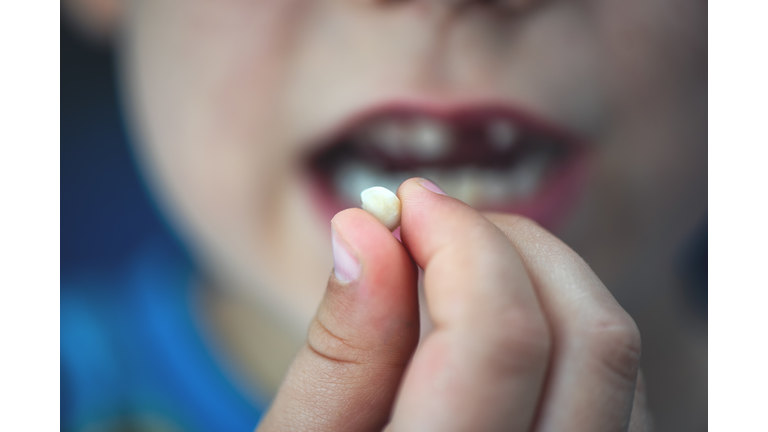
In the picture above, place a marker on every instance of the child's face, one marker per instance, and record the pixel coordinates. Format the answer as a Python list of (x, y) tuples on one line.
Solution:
[(235, 102)]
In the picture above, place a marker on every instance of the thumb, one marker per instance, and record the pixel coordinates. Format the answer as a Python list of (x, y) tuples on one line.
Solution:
[(346, 376)]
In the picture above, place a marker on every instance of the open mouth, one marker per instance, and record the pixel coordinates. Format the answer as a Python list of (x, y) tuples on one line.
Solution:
[(492, 158)]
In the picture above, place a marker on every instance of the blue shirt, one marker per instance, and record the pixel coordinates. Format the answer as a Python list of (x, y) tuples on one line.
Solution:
[(134, 357)]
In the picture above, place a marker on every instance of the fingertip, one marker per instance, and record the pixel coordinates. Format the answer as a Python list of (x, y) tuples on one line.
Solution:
[(430, 218), (370, 241), (387, 278), (418, 185), (431, 186), (348, 216), (363, 334), (418, 194)]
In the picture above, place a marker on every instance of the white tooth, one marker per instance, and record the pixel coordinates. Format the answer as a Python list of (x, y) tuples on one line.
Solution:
[(468, 187), (526, 178), (351, 179), (383, 204), (429, 140), (390, 181), (527, 184), (342, 181), (388, 136), (495, 186), (447, 180), (502, 134)]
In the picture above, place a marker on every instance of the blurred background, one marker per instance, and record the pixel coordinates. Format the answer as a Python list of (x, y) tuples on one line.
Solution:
[(105, 211)]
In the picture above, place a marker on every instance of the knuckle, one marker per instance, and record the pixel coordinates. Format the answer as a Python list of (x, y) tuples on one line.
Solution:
[(524, 222), (513, 219), (523, 341), (615, 342), (511, 224), (330, 346)]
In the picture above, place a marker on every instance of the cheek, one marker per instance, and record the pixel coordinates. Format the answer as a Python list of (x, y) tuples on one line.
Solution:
[(655, 50), (205, 78), (649, 185), (205, 87), (657, 54)]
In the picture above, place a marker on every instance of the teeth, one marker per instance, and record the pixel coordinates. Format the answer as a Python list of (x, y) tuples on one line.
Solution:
[(383, 204), (353, 178), (429, 140), (391, 182), (502, 134), (524, 179), (388, 136), (461, 184), (423, 139), (496, 188), (474, 186)]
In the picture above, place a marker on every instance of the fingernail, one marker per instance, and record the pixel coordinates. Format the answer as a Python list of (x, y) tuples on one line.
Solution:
[(428, 184), (345, 265), (396, 233)]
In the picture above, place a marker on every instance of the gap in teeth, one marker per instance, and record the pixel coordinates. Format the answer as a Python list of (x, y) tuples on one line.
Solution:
[(430, 141), (502, 134)]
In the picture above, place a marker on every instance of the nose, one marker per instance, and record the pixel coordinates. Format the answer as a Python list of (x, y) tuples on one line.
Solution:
[(507, 5)]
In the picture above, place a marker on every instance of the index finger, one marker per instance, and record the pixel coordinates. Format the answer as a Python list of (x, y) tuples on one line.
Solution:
[(483, 365)]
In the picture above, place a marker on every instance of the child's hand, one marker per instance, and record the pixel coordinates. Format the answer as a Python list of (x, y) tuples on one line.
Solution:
[(526, 336)]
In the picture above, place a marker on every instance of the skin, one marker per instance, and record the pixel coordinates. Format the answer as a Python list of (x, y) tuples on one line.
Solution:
[(223, 100), (526, 336)]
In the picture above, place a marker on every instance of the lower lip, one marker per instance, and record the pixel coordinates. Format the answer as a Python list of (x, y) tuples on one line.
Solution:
[(550, 206)]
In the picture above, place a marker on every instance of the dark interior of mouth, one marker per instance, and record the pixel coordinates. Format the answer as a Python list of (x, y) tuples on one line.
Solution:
[(471, 153), (471, 150)]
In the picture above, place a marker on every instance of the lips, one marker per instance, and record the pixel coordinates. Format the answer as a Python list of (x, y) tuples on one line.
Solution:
[(493, 158)]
